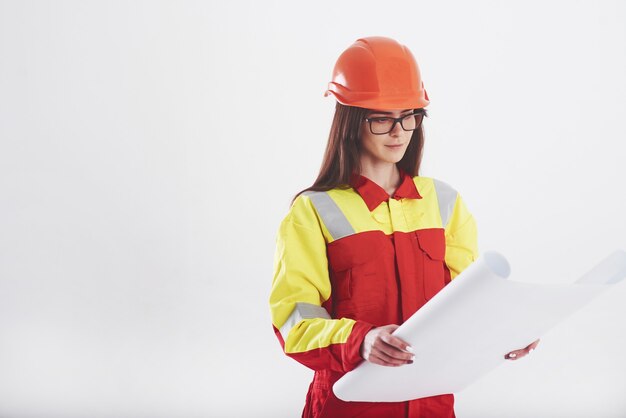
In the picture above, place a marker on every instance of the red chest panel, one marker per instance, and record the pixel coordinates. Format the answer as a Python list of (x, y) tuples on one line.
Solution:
[(383, 279)]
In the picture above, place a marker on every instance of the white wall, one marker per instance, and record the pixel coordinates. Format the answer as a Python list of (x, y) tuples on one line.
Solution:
[(149, 150)]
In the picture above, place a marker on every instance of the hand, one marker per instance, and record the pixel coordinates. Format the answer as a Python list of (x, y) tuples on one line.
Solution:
[(380, 347), (518, 354)]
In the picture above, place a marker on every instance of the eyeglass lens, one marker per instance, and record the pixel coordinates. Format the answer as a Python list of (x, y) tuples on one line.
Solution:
[(385, 125)]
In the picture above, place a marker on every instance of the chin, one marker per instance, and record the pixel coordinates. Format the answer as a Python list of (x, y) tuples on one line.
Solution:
[(391, 160), (394, 159)]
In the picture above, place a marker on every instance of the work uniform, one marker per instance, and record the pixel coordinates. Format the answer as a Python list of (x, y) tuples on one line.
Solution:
[(354, 258)]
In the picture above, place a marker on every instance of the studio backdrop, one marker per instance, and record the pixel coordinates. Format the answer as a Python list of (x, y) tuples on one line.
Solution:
[(150, 149)]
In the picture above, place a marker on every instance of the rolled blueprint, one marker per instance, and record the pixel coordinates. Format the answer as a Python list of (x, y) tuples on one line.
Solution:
[(466, 329)]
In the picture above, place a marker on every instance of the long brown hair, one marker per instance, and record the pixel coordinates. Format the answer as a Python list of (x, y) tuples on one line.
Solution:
[(341, 157)]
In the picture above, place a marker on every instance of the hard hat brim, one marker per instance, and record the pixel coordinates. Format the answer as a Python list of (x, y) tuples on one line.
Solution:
[(373, 100)]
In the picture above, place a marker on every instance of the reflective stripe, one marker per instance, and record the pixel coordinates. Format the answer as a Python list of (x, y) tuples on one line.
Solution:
[(302, 311), (446, 196), (331, 215)]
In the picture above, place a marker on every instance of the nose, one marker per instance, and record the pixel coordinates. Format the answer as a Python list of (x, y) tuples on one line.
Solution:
[(397, 129)]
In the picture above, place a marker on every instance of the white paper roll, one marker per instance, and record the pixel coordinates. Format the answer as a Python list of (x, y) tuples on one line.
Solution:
[(467, 328)]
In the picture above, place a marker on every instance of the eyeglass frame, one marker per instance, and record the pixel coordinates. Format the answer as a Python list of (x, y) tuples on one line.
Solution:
[(396, 120)]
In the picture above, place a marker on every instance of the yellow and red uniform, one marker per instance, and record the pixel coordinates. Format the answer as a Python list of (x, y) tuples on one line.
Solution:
[(351, 259)]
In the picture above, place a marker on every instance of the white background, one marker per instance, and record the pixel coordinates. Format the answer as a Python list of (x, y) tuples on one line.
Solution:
[(150, 149)]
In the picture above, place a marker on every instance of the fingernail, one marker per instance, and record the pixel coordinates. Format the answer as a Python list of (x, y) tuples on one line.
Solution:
[(409, 349), (512, 355), (530, 351)]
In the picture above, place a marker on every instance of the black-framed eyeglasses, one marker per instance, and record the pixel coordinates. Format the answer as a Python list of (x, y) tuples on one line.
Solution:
[(384, 124)]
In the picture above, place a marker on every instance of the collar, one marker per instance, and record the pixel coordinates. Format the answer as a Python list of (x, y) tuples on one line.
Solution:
[(374, 195)]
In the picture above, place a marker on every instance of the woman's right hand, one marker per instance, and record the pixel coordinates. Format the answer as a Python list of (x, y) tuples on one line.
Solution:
[(380, 347)]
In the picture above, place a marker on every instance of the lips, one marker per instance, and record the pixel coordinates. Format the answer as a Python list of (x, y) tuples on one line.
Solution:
[(395, 146)]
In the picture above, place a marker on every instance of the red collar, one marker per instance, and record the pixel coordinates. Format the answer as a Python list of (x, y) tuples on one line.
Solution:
[(374, 195)]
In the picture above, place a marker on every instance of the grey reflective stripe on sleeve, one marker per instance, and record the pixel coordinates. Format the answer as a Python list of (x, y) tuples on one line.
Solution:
[(331, 215), (446, 196), (302, 311)]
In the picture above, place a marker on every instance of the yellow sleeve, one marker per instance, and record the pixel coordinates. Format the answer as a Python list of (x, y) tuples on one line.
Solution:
[(461, 239), (300, 286)]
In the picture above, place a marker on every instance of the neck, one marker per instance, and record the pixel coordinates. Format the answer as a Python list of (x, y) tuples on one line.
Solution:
[(386, 175)]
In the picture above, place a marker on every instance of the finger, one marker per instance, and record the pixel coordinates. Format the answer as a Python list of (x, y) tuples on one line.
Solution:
[(518, 354), (392, 351), (395, 346), (377, 360), (383, 359), (396, 342), (515, 355), (525, 351)]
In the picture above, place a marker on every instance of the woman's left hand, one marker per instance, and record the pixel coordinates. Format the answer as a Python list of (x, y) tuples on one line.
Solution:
[(518, 354)]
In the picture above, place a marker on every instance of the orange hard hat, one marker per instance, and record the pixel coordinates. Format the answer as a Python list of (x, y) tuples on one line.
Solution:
[(378, 73)]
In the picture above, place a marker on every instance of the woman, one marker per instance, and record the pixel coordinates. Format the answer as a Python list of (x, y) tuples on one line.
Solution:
[(370, 242)]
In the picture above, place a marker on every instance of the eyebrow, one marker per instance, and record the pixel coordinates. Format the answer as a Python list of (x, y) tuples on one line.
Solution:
[(377, 112)]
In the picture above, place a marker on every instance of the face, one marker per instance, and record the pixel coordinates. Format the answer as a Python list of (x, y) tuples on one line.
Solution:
[(385, 148)]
